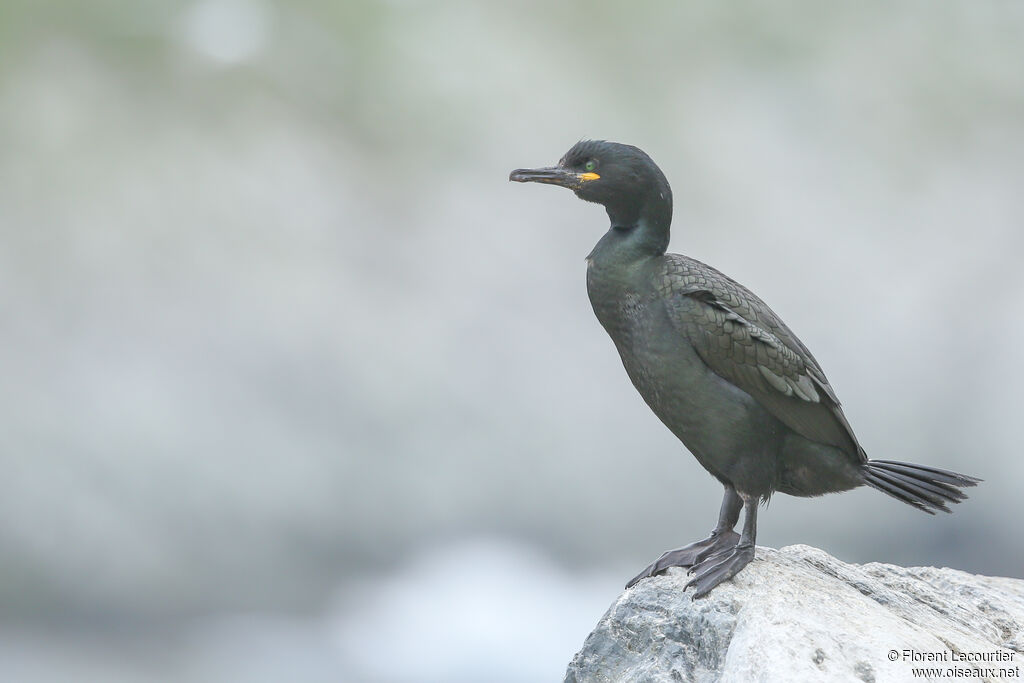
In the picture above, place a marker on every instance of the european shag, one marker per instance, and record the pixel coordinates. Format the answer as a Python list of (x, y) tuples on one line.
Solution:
[(719, 368)]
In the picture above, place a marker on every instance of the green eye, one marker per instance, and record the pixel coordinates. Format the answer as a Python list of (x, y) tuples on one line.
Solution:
[(590, 166)]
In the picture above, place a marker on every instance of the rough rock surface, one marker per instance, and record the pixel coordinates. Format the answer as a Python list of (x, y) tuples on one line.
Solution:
[(799, 614)]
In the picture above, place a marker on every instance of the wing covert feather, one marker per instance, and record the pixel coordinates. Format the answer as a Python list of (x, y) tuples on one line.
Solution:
[(743, 341)]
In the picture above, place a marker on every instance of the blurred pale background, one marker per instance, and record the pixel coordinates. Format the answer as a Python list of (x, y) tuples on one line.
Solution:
[(296, 386)]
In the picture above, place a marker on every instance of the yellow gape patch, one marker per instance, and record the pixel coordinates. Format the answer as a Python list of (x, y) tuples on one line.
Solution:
[(589, 176)]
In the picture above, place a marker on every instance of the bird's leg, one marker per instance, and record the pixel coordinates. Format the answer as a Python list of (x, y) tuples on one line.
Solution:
[(722, 538), (714, 568)]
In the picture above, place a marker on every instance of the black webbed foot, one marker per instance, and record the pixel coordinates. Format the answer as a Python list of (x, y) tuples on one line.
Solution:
[(689, 555), (719, 567)]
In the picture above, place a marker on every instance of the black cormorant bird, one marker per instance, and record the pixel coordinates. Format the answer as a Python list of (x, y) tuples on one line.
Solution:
[(718, 367)]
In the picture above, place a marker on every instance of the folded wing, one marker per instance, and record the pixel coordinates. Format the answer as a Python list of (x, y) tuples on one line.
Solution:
[(743, 341)]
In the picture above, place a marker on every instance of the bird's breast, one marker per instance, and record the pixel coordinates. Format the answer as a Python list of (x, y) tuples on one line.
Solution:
[(662, 365), (634, 317), (617, 301)]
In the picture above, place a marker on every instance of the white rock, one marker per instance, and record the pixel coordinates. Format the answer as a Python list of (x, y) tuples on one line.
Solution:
[(798, 614)]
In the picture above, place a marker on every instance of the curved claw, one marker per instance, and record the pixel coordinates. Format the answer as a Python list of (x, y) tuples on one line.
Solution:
[(718, 568), (689, 555)]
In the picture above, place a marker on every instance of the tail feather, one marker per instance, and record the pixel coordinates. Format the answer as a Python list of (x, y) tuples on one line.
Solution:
[(935, 473), (926, 488), (940, 488), (912, 493)]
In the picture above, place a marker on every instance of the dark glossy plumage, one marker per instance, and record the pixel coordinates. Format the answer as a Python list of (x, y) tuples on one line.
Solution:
[(718, 367), (744, 341)]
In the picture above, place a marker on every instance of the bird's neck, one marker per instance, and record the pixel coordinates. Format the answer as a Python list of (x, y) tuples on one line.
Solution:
[(634, 236)]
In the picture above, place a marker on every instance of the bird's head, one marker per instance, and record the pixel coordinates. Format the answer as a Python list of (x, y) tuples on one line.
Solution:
[(621, 177)]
